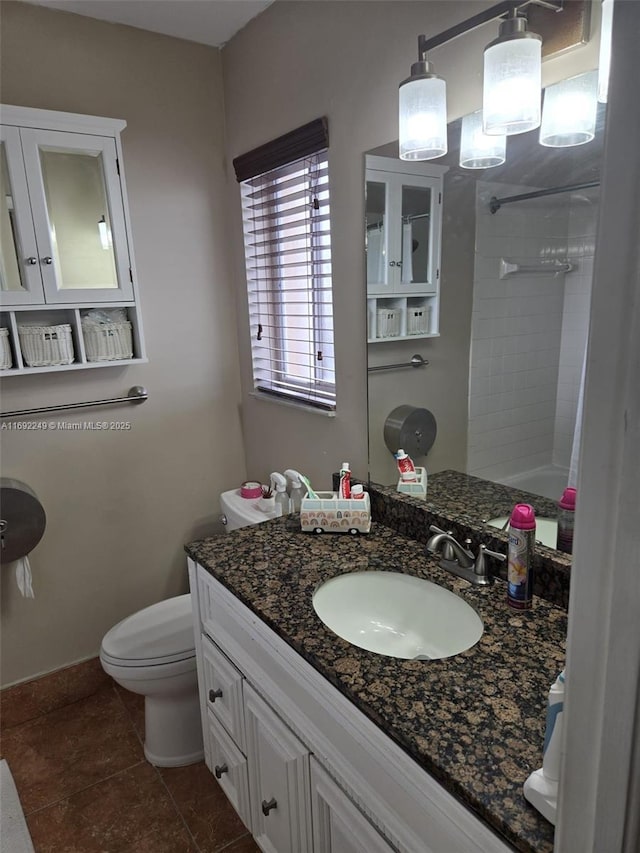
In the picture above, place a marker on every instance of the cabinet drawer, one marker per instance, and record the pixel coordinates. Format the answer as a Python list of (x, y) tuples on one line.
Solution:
[(229, 766), (278, 781), (223, 691)]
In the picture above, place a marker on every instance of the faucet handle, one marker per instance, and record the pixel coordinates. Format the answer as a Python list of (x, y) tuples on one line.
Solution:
[(480, 567), (434, 529)]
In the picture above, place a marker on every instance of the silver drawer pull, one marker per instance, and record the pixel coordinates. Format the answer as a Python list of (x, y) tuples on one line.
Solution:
[(215, 694), (267, 806), (31, 261), (48, 260), (219, 770)]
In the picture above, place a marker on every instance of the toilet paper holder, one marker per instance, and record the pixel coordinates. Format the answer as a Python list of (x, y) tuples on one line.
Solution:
[(23, 520), (411, 428)]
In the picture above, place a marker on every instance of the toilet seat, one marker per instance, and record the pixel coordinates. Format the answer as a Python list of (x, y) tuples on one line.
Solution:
[(157, 635)]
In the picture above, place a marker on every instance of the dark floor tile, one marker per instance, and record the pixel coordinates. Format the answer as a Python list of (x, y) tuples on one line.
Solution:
[(243, 845), (130, 812), (69, 749), (211, 818), (33, 698)]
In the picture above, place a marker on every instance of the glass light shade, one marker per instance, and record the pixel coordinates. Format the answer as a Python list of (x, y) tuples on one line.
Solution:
[(512, 86), (477, 150), (423, 118), (604, 63), (570, 111)]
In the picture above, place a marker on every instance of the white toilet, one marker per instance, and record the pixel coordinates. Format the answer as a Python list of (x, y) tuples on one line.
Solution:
[(152, 652)]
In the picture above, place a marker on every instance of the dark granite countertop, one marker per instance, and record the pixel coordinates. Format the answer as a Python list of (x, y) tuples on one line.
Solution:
[(474, 721)]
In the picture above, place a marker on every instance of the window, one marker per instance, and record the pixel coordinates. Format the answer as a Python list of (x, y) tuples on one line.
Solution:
[(286, 220)]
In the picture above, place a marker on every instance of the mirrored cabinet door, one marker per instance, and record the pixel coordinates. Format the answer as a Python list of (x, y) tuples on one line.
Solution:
[(403, 213), (77, 209), (377, 192), (418, 210), (20, 279)]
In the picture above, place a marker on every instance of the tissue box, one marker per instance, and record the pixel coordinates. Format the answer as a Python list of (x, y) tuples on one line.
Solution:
[(417, 489), (329, 513)]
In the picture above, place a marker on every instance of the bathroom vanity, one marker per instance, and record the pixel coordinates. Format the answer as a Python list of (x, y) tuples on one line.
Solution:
[(323, 746)]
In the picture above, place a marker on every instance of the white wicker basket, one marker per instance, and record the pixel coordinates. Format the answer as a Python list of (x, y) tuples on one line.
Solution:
[(107, 341), (388, 322), (5, 350), (44, 346), (418, 320)]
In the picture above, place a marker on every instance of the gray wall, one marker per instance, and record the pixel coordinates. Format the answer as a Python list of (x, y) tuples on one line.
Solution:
[(121, 505)]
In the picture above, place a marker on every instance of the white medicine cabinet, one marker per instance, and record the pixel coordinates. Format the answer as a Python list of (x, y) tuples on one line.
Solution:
[(403, 227), (66, 248)]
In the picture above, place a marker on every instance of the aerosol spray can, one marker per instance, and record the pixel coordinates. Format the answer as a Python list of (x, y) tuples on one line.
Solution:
[(522, 537), (566, 517)]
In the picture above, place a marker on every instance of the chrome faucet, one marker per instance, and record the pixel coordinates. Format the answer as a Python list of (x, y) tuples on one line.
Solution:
[(460, 560)]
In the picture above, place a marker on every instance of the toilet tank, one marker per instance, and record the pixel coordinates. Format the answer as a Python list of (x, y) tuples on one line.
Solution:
[(241, 512)]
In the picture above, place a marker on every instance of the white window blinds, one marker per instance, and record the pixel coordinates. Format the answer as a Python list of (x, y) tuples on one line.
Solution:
[(288, 260)]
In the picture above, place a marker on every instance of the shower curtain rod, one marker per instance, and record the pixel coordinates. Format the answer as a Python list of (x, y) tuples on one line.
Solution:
[(496, 203)]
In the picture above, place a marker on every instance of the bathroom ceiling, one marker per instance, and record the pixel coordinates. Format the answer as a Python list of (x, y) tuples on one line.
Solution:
[(211, 22)]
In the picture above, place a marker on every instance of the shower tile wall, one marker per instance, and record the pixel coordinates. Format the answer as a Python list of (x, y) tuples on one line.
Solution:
[(516, 335), (583, 217)]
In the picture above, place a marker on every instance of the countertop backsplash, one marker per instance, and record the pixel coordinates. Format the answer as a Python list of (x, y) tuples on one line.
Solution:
[(460, 502)]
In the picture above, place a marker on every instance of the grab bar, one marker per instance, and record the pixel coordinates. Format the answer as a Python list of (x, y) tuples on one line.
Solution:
[(416, 361), (137, 394)]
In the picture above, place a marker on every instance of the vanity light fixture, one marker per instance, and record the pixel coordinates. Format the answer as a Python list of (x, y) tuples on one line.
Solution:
[(423, 113), (606, 26), (477, 150), (570, 111), (512, 79), (512, 84)]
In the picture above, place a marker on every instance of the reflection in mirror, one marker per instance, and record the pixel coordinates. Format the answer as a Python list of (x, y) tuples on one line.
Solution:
[(78, 219), (10, 278), (527, 270)]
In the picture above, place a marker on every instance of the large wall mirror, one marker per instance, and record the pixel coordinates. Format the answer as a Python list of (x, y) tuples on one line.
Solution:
[(513, 303)]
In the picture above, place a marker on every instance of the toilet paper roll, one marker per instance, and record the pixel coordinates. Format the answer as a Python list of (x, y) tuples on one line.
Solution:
[(23, 520), (23, 577)]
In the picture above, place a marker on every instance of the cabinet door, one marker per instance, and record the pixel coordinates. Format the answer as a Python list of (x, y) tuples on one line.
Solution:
[(78, 215), (418, 208), (20, 279), (278, 781), (380, 238), (338, 825), (229, 766)]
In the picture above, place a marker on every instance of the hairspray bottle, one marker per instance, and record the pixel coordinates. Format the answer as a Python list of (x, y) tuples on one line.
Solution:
[(522, 537)]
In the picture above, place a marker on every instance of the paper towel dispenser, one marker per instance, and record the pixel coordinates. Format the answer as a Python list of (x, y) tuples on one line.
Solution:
[(412, 429), (22, 520)]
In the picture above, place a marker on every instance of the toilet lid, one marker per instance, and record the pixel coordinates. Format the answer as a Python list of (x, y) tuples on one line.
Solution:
[(157, 634)]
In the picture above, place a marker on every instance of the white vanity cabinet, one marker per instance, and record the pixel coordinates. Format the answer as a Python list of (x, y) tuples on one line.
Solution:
[(403, 222), (65, 235), (320, 776)]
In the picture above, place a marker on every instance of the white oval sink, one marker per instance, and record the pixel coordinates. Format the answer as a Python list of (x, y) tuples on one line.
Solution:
[(397, 615), (546, 529)]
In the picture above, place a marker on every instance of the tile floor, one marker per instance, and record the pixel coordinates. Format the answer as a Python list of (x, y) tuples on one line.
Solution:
[(73, 742)]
